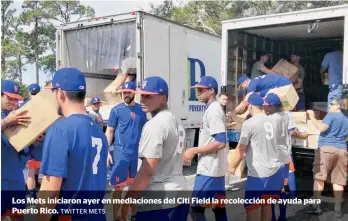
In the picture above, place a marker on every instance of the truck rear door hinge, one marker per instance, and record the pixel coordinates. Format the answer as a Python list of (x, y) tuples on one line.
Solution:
[(139, 26), (139, 55)]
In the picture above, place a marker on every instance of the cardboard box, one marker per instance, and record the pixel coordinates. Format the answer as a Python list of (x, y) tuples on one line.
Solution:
[(288, 96), (312, 129), (301, 126), (319, 106), (300, 116), (299, 143), (286, 69), (42, 109), (312, 141), (241, 169)]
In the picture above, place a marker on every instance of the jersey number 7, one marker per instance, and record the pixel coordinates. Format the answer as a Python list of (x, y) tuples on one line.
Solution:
[(96, 142)]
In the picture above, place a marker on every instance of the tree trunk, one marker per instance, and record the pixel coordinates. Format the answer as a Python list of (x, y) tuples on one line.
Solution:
[(20, 65), (37, 50)]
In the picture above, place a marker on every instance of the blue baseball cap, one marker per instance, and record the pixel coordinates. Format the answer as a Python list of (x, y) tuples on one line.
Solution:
[(95, 100), (272, 100), (128, 86), (255, 100), (69, 79), (153, 85), (10, 89), (34, 87), (207, 82), (241, 80)]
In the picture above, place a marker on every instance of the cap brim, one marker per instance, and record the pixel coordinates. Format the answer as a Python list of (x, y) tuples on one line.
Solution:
[(14, 96), (127, 90), (145, 92), (199, 86)]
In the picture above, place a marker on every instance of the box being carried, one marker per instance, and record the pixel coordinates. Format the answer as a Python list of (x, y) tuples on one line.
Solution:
[(286, 69), (288, 96), (240, 170), (43, 111)]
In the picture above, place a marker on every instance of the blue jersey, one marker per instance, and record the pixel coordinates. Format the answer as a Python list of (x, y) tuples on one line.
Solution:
[(264, 83), (128, 122), (75, 149), (13, 162)]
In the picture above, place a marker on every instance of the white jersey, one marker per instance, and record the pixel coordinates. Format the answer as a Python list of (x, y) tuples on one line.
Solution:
[(262, 156), (213, 122), (281, 121), (163, 137)]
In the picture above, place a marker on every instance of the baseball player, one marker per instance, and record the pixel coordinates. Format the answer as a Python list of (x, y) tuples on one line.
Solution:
[(272, 107), (161, 150), (33, 165), (94, 112), (125, 124), (75, 152), (12, 162), (265, 170), (212, 152), (261, 84)]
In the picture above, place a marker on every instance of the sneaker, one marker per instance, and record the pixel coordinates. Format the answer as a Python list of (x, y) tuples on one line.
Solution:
[(338, 213), (312, 209)]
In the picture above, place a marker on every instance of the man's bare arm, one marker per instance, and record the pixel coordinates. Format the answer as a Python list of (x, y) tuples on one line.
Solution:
[(50, 188), (109, 133)]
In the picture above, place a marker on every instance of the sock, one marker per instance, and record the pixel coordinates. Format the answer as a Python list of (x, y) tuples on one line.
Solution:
[(32, 193), (220, 214), (197, 213), (273, 213), (292, 184), (282, 208), (37, 180)]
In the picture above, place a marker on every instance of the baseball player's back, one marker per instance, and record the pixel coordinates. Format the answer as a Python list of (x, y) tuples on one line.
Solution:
[(76, 149), (258, 132), (264, 83), (281, 121), (163, 137)]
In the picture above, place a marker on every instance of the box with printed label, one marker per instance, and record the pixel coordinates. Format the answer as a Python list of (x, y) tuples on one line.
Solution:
[(241, 169), (286, 69), (312, 128), (288, 96), (300, 116), (41, 118), (312, 141)]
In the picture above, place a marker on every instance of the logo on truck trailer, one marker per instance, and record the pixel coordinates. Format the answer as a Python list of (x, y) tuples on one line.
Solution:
[(193, 63)]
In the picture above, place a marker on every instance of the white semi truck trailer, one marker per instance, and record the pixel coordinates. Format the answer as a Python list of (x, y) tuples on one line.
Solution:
[(177, 53)]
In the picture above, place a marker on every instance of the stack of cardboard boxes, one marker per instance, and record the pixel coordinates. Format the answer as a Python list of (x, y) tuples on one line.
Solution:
[(303, 124)]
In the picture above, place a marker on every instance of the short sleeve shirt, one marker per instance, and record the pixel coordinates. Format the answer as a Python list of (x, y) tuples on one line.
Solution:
[(258, 134), (337, 131), (213, 122), (163, 137), (256, 70)]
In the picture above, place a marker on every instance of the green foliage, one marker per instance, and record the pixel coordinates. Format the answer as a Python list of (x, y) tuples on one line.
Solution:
[(67, 11), (36, 46), (207, 15)]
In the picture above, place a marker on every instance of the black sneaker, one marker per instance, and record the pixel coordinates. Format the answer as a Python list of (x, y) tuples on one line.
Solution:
[(312, 209), (338, 213)]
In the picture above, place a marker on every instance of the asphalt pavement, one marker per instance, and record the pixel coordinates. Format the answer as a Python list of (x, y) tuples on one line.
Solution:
[(236, 212)]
